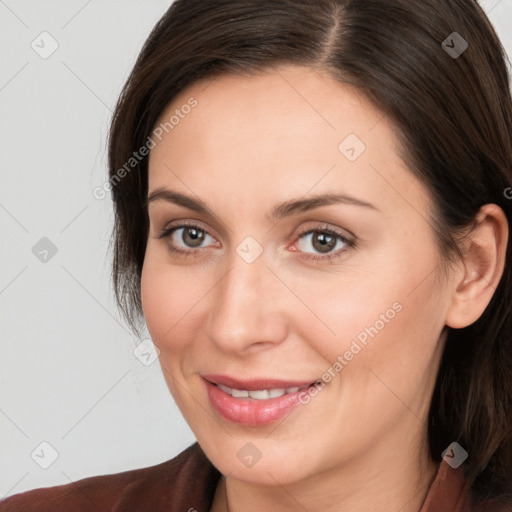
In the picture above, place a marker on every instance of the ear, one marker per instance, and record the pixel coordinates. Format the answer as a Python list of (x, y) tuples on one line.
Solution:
[(481, 268)]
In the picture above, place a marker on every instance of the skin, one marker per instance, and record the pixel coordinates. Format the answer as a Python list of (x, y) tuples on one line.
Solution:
[(253, 142)]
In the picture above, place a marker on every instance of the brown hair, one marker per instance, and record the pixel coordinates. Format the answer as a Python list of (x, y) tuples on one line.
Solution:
[(453, 115)]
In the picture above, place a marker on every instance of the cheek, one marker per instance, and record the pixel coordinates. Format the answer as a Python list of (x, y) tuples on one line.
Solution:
[(167, 299), (385, 317)]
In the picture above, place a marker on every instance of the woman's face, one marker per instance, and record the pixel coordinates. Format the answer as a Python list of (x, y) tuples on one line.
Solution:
[(275, 286)]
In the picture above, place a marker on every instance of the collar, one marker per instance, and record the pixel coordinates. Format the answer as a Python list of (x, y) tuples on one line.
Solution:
[(449, 491)]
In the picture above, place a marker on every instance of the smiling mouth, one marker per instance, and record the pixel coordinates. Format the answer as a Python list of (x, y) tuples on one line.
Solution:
[(258, 406), (262, 394)]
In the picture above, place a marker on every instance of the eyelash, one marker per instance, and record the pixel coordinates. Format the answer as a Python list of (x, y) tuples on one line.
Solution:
[(349, 243)]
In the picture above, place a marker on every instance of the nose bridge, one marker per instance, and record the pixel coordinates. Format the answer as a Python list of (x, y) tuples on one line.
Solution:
[(246, 303)]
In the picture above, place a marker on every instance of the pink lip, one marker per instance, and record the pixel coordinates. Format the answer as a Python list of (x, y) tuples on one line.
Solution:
[(249, 412)]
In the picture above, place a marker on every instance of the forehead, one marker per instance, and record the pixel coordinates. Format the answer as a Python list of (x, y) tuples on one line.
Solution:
[(289, 129), (289, 104)]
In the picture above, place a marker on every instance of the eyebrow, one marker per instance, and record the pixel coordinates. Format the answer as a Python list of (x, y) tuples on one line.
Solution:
[(279, 211)]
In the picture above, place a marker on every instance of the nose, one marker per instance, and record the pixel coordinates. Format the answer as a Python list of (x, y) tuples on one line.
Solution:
[(249, 308)]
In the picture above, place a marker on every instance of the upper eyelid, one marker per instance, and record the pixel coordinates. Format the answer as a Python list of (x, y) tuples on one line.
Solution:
[(177, 224), (343, 233), (170, 228)]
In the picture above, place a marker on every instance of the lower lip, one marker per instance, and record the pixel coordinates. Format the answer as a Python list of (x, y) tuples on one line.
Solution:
[(250, 412)]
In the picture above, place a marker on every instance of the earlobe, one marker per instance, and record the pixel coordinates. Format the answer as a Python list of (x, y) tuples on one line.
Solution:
[(482, 267)]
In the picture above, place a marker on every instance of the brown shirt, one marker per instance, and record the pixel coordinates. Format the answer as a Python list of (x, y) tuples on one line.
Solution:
[(187, 483)]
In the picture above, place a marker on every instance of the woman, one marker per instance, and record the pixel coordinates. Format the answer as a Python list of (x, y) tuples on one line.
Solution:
[(312, 204)]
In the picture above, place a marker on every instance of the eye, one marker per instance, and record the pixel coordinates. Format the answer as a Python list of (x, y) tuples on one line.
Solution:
[(184, 237), (187, 239), (324, 240)]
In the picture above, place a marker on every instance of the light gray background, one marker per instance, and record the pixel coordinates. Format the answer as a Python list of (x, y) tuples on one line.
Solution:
[(69, 376)]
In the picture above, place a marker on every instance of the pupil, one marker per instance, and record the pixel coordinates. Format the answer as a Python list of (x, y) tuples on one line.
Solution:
[(327, 242), (192, 236)]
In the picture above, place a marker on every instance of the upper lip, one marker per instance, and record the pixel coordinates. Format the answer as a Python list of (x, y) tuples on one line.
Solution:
[(256, 384)]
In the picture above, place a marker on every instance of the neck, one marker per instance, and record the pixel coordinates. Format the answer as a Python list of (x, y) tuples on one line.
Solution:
[(383, 479)]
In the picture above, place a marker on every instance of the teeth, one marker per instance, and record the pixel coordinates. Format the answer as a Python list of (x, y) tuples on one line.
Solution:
[(263, 394), (237, 393), (258, 395), (225, 389)]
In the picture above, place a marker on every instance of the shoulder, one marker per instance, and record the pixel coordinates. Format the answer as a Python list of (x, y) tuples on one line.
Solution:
[(186, 482), (451, 490)]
